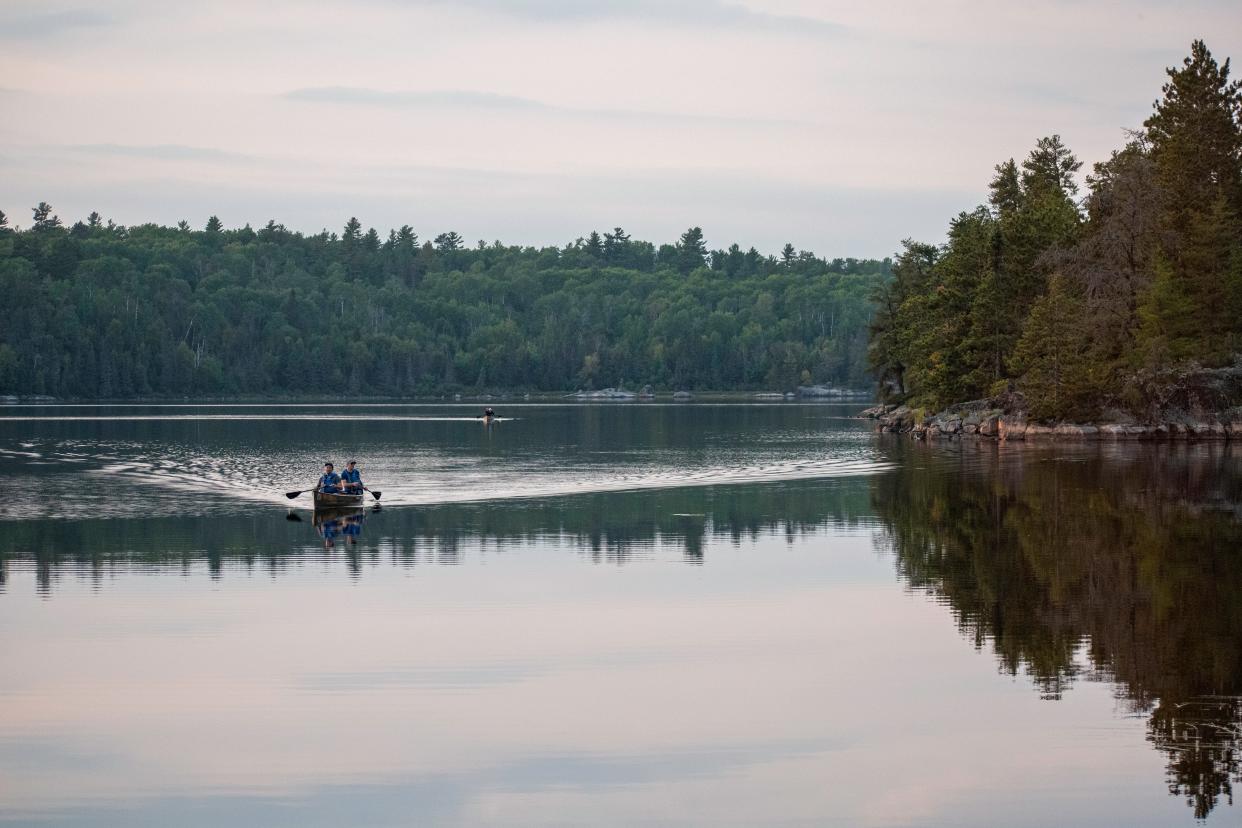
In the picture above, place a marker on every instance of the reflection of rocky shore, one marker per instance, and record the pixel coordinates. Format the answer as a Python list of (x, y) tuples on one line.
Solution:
[(1127, 558)]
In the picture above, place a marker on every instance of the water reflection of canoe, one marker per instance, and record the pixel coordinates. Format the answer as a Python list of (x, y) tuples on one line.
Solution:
[(336, 501), (338, 514)]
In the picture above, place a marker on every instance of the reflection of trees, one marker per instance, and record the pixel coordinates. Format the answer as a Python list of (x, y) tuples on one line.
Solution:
[(1127, 557), (607, 527), (1202, 738)]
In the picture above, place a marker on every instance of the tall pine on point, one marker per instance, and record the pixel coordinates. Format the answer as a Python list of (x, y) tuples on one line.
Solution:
[(1053, 355), (1195, 135)]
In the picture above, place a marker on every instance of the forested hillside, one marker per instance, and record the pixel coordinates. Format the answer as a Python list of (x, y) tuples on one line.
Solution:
[(102, 311), (1083, 303)]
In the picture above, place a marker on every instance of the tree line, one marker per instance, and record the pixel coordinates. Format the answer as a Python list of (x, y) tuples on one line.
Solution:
[(1082, 303), (101, 310)]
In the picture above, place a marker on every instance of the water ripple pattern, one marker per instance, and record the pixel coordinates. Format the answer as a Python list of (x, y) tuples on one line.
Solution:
[(102, 461)]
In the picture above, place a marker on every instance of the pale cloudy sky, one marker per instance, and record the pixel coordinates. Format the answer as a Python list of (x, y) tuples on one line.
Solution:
[(840, 126)]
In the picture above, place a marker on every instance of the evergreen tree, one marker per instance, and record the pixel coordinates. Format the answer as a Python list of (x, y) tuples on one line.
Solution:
[(43, 217), (1195, 139), (788, 256), (448, 242), (1052, 359), (351, 234), (1195, 134), (691, 251), (214, 226), (1169, 331), (594, 246), (1006, 195), (890, 353), (1050, 167), (1208, 262), (946, 368), (616, 246)]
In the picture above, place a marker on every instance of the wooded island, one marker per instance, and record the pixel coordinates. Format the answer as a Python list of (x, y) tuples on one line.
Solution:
[(1122, 307)]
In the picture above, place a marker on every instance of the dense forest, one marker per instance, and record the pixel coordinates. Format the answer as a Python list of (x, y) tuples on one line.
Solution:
[(105, 311), (1083, 303)]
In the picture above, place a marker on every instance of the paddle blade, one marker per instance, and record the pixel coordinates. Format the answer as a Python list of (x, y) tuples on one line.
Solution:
[(292, 495), (375, 494)]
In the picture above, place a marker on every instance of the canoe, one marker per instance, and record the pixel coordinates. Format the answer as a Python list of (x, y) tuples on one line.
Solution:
[(336, 501)]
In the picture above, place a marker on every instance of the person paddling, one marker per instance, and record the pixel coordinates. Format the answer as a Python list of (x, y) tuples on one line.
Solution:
[(488, 413), (330, 482), (351, 478)]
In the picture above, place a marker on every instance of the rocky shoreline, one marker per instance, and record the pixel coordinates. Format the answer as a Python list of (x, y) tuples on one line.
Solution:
[(983, 420)]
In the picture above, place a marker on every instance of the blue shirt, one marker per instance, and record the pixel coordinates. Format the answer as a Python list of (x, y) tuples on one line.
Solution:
[(331, 480), (354, 476)]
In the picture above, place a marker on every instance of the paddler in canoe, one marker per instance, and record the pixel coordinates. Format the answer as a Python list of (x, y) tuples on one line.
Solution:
[(329, 482), (346, 491), (351, 478), (488, 415)]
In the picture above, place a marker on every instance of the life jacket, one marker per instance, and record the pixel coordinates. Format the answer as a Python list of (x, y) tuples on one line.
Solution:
[(330, 480), (354, 476)]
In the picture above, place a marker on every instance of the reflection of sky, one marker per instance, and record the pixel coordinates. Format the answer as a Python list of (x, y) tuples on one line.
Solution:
[(780, 682)]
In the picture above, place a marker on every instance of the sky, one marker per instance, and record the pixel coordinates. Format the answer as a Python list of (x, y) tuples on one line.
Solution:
[(840, 127)]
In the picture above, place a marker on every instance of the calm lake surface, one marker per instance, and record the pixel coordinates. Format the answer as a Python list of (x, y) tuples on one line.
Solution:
[(610, 614)]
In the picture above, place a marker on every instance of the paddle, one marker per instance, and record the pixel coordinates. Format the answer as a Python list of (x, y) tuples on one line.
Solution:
[(292, 495)]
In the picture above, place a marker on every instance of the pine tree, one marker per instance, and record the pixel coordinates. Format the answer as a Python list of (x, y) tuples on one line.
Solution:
[(43, 217), (352, 233), (691, 251), (1195, 134), (594, 245), (616, 246), (1052, 359), (1168, 330), (448, 242), (950, 370), (1207, 264), (788, 256), (1006, 190), (1050, 166), (407, 239), (214, 226), (889, 352)]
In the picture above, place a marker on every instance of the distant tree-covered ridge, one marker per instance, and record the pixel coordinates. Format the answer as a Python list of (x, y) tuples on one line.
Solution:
[(98, 310), (1089, 304)]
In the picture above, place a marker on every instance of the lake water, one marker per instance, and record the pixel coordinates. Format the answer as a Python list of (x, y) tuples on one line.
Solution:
[(610, 614)]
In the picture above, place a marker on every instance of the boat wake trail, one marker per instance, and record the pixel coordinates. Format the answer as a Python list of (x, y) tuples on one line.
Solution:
[(88, 478)]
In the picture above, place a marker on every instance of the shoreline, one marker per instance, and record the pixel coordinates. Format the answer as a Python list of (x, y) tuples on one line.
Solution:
[(982, 422)]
